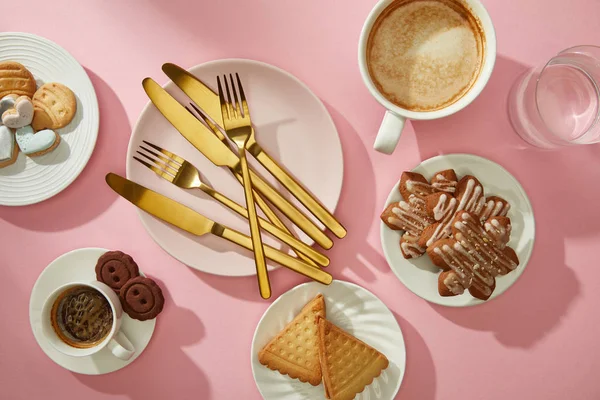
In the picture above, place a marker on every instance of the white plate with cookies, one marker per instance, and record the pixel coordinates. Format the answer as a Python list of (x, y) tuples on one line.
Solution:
[(340, 338), (49, 121), (458, 230)]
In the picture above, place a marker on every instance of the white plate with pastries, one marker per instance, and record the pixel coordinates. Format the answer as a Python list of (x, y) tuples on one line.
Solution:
[(350, 312), (31, 179), (461, 259)]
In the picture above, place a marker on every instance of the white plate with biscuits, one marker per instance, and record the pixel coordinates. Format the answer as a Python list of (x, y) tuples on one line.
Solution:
[(340, 334), (45, 163), (79, 265), (489, 223)]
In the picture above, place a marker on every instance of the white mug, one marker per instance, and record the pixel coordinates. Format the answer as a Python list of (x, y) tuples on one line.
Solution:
[(116, 340), (395, 116)]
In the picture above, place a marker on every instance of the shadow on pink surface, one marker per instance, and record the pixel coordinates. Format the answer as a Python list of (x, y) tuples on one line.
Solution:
[(419, 379), (548, 288), (351, 253), (163, 370), (81, 202)]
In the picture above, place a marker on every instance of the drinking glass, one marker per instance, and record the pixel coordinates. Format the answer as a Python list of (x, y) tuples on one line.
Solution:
[(557, 104)]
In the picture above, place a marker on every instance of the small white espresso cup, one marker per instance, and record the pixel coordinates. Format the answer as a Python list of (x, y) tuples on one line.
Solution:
[(116, 340), (395, 116)]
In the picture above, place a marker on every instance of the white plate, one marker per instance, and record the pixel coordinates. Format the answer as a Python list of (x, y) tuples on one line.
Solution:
[(352, 308), (33, 179), (73, 266), (420, 275), (291, 124)]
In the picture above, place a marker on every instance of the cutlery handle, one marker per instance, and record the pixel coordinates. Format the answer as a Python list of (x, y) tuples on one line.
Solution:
[(257, 245), (295, 188), (290, 211), (300, 247), (281, 258), (277, 222)]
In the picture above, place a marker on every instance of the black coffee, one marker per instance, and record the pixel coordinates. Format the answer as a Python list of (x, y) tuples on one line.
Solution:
[(81, 317)]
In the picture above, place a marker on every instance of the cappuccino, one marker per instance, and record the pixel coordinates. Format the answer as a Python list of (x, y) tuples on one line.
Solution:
[(424, 55), (81, 317)]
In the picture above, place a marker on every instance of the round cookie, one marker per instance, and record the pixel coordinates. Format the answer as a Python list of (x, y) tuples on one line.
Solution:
[(115, 268), (141, 298), (55, 106), (16, 79)]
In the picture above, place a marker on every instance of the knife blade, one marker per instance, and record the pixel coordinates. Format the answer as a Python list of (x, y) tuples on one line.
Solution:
[(197, 224)]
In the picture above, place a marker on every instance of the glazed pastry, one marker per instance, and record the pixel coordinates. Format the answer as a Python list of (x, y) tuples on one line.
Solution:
[(473, 256)]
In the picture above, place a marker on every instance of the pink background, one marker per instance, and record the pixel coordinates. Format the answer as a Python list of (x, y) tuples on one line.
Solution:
[(539, 340)]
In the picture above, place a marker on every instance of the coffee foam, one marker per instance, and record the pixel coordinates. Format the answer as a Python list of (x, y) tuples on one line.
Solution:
[(424, 55)]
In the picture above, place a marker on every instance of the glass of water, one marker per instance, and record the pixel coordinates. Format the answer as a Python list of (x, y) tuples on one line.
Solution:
[(558, 104)]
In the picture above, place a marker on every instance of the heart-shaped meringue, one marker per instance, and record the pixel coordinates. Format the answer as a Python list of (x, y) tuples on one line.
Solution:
[(36, 143), (7, 103), (19, 116)]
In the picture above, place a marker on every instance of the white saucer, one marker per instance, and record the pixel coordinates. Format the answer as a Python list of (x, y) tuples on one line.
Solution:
[(79, 265), (33, 179), (352, 308), (292, 125), (420, 275)]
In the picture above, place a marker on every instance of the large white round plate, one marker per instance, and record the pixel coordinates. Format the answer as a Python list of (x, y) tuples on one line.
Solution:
[(33, 179), (352, 308), (291, 124), (420, 275), (73, 266)]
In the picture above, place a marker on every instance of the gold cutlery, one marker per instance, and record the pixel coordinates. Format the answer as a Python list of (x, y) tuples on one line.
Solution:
[(238, 127), (207, 100), (221, 155), (271, 216), (183, 174), (197, 224)]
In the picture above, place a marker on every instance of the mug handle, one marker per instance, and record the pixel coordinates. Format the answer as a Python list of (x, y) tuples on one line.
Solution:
[(121, 346), (389, 132)]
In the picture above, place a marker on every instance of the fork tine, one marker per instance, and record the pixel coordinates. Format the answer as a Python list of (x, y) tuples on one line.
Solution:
[(164, 166), (224, 108), (166, 160), (237, 105), (165, 152), (233, 111), (242, 96), (157, 171)]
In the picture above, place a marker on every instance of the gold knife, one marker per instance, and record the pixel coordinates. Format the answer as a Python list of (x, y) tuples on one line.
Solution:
[(221, 155), (208, 100), (197, 224)]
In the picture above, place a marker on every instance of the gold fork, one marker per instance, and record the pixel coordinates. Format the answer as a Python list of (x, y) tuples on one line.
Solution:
[(238, 127), (183, 174)]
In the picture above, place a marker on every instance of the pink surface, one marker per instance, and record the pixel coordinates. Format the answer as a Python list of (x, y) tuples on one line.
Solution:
[(538, 340)]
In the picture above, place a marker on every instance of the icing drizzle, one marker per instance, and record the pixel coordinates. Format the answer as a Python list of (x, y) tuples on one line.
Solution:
[(473, 256), (410, 216), (410, 247), (444, 185)]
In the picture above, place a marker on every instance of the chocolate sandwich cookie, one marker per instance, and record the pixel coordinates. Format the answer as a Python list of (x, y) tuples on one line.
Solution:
[(141, 298), (115, 268)]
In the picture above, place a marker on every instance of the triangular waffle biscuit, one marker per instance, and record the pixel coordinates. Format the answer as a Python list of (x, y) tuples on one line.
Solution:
[(347, 364), (295, 350)]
